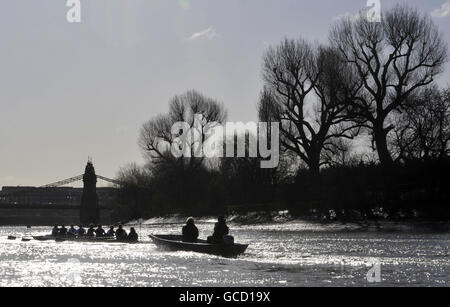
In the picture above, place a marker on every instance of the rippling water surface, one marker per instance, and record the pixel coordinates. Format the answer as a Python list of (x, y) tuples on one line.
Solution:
[(290, 254)]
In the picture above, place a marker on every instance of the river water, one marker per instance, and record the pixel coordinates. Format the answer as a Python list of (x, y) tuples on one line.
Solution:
[(289, 254)]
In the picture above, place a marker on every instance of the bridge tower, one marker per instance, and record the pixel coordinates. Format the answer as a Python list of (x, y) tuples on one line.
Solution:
[(89, 210)]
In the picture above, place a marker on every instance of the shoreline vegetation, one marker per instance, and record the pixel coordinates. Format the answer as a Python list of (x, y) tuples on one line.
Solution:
[(284, 218), (362, 193), (364, 133)]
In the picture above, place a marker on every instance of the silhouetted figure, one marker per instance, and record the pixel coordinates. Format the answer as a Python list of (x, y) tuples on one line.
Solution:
[(100, 232), (72, 231), (220, 230), (133, 236), (111, 233), (190, 231), (121, 235), (91, 231), (63, 231), (89, 210), (55, 231), (81, 231)]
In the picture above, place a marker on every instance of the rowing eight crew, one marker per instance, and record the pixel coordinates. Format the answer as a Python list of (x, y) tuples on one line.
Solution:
[(120, 234)]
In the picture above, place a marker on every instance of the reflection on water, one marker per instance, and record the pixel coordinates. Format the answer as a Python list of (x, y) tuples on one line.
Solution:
[(292, 254)]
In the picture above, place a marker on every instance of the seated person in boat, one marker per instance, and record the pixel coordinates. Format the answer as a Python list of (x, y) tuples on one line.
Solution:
[(63, 231), (81, 231), (100, 232), (190, 231), (121, 235), (91, 231), (72, 231), (55, 231), (133, 236), (111, 233), (220, 230)]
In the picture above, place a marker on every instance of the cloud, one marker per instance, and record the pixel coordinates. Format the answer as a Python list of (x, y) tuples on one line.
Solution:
[(443, 11), (209, 33)]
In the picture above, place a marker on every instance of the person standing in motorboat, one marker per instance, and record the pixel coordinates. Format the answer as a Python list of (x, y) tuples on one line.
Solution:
[(220, 231), (190, 231)]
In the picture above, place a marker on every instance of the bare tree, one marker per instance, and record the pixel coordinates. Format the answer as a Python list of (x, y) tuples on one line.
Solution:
[(156, 137), (307, 90), (392, 60), (423, 129), (340, 154)]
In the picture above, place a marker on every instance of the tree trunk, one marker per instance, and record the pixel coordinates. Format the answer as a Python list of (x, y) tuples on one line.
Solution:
[(384, 155), (314, 164)]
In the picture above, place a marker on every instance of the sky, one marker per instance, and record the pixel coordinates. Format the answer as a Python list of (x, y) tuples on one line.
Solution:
[(73, 90)]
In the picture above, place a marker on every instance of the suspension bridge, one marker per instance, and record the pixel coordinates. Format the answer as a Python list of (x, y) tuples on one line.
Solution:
[(22, 192), (56, 192), (53, 202), (78, 178)]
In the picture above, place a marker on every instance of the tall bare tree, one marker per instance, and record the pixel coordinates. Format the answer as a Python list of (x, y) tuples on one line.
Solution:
[(423, 129), (393, 60), (307, 90), (157, 138)]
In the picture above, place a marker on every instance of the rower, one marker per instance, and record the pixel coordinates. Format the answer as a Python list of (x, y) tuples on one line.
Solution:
[(72, 231), (190, 231), (63, 231), (81, 231), (121, 235), (55, 231), (99, 232), (133, 236), (111, 233), (91, 231)]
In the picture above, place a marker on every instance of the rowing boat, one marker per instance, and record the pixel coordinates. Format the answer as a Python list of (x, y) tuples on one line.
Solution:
[(44, 238), (175, 243), (79, 239)]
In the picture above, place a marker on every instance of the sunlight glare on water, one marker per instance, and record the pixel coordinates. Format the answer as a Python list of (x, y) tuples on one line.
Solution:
[(291, 254)]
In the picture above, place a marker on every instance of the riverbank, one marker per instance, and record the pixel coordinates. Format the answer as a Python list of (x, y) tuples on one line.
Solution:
[(285, 218)]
